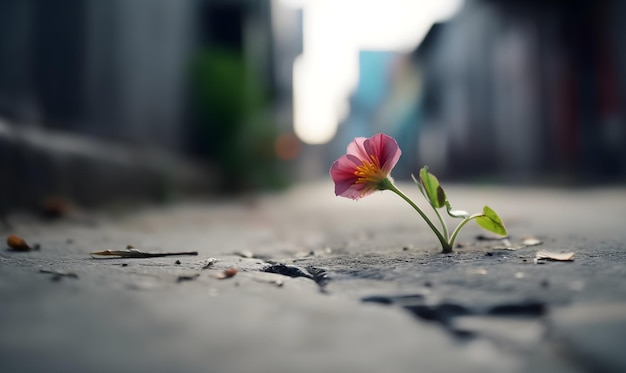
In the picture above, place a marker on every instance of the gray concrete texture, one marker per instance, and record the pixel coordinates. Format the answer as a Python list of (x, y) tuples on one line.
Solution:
[(324, 284)]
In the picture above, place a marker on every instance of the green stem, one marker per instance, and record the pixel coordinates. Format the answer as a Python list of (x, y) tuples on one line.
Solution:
[(443, 223), (458, 228), (447, 248)]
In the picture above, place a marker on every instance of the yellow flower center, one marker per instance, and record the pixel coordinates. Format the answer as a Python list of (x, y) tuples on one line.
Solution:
[(370, 173)]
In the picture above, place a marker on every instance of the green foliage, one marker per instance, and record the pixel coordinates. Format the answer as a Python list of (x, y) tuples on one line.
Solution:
[(430, 188), (434, 192), (490, 221), (232, 125)]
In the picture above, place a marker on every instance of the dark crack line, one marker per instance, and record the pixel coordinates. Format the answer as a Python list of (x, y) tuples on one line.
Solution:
[(317, 275)]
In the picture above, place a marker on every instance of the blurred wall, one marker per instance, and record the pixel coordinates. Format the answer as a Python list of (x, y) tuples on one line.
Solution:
[(131, 98), (113, 69), (92, 99), (526, 91)]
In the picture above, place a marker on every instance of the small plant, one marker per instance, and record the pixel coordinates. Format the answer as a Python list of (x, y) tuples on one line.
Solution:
[(366, 168)]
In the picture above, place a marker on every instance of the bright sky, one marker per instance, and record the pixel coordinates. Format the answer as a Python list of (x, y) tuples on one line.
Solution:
[(334, 32)]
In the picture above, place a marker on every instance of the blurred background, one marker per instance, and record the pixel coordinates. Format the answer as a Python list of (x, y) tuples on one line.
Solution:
[(150, 99)]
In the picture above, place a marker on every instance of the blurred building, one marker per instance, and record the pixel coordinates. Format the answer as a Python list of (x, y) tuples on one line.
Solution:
[(102, 99), (526, 90)]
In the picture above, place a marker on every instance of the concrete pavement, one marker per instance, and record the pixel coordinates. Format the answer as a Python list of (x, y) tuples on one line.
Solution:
[(324, 284)]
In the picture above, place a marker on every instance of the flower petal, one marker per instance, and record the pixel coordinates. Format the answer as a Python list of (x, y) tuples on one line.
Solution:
[(355, 191), (342, 173), (386, 150), (366, 165), (356, 148)]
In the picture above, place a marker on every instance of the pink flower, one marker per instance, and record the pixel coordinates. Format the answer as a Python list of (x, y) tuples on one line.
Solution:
[(366, 166)]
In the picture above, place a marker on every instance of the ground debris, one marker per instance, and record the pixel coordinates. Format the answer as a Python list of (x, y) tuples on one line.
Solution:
[(227, 273), (57, 275), (552, 256), (132, 253), (187, 277), (531, 241), (17, 243), (209, 263)]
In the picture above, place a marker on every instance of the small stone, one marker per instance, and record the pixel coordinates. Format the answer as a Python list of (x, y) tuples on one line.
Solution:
[(17, 243), (531, 241), (177, 262), (209, 263), (227, 273), (553, 256)]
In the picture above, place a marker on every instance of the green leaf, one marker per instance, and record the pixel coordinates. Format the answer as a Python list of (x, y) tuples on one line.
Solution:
[(490, 221), (441, 196), (434, 192)]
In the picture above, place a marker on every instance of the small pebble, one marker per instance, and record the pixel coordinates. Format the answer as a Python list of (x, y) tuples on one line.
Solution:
[(531, 241), (17, 243), (227, 273), (209, 263), (124, 264), (177, 262)]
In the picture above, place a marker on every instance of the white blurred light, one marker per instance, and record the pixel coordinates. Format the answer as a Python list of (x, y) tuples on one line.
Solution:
[(334, 33)]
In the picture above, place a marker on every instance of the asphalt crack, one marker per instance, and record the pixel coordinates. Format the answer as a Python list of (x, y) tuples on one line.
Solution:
[(317, 275)]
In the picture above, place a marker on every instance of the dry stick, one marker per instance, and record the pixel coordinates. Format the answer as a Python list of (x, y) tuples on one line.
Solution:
[(135, 254)]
